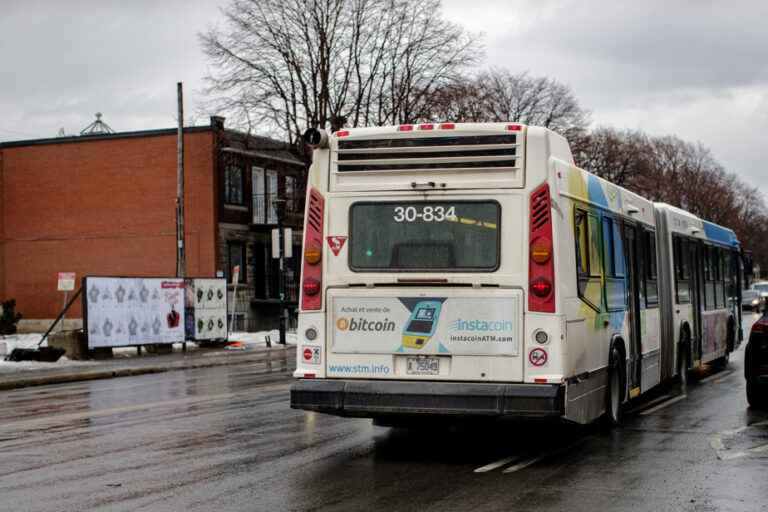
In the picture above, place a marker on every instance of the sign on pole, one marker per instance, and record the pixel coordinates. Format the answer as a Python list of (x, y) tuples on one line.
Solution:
[(66, 281), (275, 243), (288, 242)]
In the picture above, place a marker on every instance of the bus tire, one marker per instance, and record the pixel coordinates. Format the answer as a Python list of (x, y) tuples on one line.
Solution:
[(614, 394)]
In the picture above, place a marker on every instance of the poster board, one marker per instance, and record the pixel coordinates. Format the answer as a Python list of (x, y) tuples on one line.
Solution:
[(206, 309), (125, 311)]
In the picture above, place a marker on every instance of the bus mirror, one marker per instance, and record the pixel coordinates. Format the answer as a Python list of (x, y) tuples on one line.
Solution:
[(317, 139)]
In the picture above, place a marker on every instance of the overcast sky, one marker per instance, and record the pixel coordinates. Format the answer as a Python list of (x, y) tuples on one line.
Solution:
[(693, 68)]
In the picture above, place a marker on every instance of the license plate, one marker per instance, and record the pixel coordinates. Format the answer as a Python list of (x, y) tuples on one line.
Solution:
[(422, 366)]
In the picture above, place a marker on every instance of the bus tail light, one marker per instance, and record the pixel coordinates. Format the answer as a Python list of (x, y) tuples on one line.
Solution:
[(310, 287), (312, 255), (541, 265), (311, 271), (541, 287)]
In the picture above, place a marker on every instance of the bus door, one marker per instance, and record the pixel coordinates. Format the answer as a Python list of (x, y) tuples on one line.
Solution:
[(634, 269), (695, 250)]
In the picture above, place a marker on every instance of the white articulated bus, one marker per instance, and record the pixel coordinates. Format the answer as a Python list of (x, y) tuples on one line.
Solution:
[(472, 269)]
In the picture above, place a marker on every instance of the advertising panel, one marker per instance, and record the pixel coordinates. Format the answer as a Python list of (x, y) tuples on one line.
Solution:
[(206, 309), (426, 325), (122, 311)]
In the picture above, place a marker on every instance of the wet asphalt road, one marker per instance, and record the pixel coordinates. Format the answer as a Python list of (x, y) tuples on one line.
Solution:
[(224, 439)]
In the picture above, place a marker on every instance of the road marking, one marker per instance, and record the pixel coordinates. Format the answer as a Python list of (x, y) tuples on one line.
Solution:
[(524, 464), (741, 454), (663, 405), (715, 376), (494, 465), (716, 442), (651, 403)]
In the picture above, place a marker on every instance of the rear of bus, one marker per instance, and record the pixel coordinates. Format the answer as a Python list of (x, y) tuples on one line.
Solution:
[(428, 280)]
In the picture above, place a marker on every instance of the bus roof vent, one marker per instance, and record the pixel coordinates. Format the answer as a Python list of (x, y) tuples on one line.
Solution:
[(497, 152)]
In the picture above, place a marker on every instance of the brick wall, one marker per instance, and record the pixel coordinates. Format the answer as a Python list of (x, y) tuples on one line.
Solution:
[(101, 207)]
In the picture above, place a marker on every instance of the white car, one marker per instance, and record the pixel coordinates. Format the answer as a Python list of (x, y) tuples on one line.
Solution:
[(753, 300)]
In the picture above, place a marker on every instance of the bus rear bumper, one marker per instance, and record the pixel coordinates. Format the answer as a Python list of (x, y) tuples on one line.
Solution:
[(372, 398)]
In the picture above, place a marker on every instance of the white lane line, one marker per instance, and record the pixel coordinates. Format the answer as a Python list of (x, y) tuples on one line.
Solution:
[(663, 405), (715, 376), (524, 464), (494, 465), (650, 403), (759, 449)]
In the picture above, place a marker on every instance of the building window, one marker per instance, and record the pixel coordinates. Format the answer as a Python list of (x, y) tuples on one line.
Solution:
[(271, 196), (235, 257), (233, 185), (259, 198), (291, 201)]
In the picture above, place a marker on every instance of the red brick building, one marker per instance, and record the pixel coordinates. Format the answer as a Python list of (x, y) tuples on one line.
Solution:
[(105, 205)]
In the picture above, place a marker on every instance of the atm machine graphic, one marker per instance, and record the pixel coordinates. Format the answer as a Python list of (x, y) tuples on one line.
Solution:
[(422, 324)]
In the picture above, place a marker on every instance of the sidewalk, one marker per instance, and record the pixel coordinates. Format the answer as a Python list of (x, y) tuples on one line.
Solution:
[(24, 374)]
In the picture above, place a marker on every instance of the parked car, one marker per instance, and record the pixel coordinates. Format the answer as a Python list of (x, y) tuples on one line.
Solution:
[(752, 300), (756, 364), (760, 286)]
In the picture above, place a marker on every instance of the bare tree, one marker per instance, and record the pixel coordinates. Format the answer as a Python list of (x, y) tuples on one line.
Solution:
[(619, 157), (289, 64), (498, 95)]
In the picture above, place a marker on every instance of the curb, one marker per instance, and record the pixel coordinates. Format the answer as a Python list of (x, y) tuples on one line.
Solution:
[(132, 371)]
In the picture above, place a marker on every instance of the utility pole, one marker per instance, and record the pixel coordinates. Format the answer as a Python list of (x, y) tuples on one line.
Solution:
[(181, 258)]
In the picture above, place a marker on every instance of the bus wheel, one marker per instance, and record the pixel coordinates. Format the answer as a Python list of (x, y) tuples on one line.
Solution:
[(613, 394)]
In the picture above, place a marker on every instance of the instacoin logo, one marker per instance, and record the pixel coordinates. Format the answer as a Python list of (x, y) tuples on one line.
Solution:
[(342, 324)]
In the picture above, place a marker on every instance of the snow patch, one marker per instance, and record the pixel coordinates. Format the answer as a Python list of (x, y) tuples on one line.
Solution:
[(260, 338)]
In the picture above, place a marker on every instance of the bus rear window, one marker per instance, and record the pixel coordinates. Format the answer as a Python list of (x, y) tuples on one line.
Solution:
[(424, 236)]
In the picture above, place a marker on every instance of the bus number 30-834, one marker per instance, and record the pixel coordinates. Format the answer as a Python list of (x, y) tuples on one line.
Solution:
[(426, 214)]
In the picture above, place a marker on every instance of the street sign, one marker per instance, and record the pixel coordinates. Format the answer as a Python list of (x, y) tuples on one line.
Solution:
[(66, 281), (288, 242), (275, 244)]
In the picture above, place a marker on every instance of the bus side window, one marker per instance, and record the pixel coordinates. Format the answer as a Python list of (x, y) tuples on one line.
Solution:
[(595, 265), (651, 280), (733, 275), (682, 278), (709, 278), (588, 251), (615, 295), (580, 234), (723, 284)]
